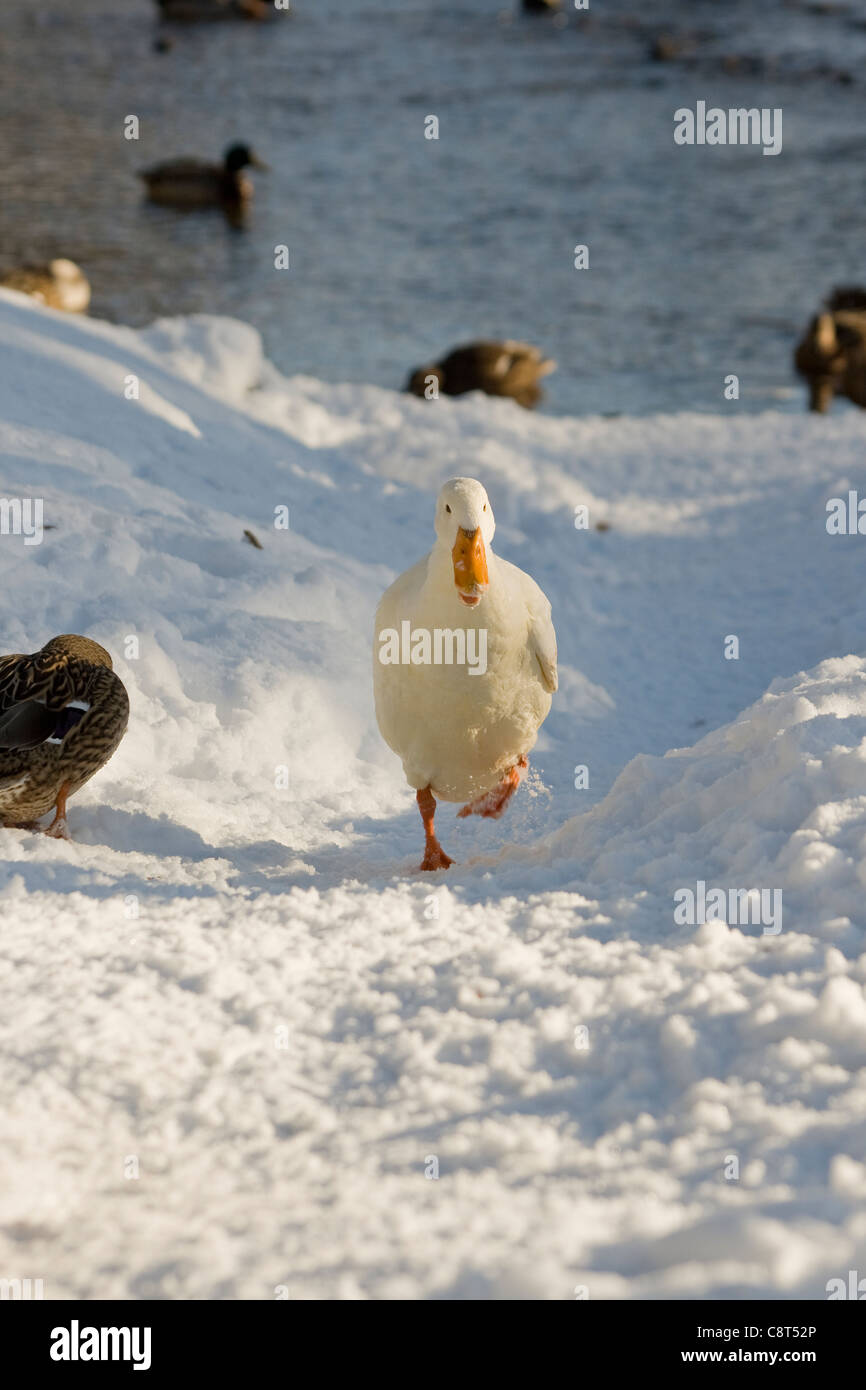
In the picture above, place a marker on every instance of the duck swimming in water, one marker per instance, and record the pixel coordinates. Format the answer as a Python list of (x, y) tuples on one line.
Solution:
[(192, 183), (63, 713)]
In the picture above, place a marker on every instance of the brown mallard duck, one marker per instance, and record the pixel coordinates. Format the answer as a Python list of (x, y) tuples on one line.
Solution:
[(497, 368), (63, 713), (831, 355), (193, 183), (60, 284)]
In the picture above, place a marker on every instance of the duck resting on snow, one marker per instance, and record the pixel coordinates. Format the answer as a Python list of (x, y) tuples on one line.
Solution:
[(831, 355), (463, 727), (496, 368), (63, 713), (60, 284)]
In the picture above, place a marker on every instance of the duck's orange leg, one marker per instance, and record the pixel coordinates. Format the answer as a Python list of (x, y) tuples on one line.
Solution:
[(494, 802), (434, 855), (58, 828)]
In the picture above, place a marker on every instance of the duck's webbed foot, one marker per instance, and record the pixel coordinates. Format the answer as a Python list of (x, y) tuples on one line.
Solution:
[(58, 829), (434, 855), (493, 803)]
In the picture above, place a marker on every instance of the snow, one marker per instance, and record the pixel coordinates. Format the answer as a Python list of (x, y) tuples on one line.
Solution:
[(248, 990)]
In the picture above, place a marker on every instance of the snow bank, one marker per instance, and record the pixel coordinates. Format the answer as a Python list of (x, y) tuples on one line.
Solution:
[(240, 991)]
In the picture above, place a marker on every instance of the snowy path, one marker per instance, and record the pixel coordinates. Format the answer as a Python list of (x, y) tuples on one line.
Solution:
[(294, 1024)]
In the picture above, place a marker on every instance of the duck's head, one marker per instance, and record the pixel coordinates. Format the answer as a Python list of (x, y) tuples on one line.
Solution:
[(464, 523), (65, 270), (238, 157)]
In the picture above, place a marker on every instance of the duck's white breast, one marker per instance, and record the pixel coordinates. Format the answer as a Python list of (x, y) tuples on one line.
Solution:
[(458, 727)]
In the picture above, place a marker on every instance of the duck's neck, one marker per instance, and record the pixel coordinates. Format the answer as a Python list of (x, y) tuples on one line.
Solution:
[(440, 567), (233, 182), (441, 591)]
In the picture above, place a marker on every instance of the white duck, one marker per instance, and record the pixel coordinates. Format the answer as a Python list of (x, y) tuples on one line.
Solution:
[(463, 728)]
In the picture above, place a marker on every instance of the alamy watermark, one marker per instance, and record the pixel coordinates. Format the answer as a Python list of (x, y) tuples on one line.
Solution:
[(77, 1343), (443, 646), (737, 126), (22, 516), (853, 1288), (21, 1290), (738, 907), (846, 516)]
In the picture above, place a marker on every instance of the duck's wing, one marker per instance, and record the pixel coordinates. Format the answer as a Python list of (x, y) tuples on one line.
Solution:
[(541, 637), (26, 725), (389, 681), (179, 169), (35, 704), (519, 349), (13, 679), (525, 597), (542, 641), (524, 361)]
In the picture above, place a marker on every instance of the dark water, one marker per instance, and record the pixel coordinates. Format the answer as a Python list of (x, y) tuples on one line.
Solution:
[(704, 261)]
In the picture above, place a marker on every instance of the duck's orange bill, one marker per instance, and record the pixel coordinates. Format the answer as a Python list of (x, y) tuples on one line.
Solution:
[(470, 565)]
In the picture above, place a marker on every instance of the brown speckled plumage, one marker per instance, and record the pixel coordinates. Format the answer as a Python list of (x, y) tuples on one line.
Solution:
[(68, 668)]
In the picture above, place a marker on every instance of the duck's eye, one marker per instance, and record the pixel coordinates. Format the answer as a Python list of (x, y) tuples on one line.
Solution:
[(484, 508), (447, 508)]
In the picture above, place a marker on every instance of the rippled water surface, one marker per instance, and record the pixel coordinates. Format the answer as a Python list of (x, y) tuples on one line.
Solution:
[(703, 261)]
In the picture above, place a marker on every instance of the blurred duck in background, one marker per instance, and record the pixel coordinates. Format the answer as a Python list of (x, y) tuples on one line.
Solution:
[(831, 355), (496, 368), (191, 183), (217, 9), (59, 284)]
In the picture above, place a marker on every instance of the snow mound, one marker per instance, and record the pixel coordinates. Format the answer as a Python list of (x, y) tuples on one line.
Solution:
[(777, 796), (244, 1045)]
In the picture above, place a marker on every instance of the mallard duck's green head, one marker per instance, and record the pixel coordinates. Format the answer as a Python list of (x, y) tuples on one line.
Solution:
[(69, 647), (239, 156)]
